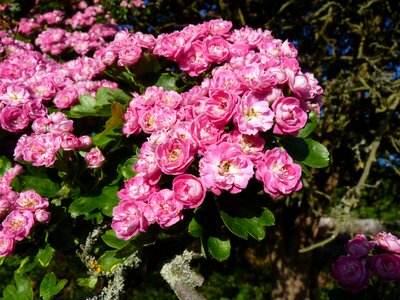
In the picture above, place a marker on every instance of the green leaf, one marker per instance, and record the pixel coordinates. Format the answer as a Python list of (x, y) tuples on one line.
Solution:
[(26, 265), (108, 261), (105, 202), (310, 125), (244, 218), (21, 290), (307, 151), (112, 130), (109, 95), (4, 165), (167, 82), (219, 247), (137, 242), (45, 255), (195, 229), (42, 185), (126, 169), (49, 286), (111, 240), (89, 282)]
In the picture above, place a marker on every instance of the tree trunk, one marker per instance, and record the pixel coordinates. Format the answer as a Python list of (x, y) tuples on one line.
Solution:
[(296, 228)]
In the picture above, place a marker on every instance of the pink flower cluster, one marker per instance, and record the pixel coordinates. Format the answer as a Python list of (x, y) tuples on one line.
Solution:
[(217, 127), (353, 272), (19, 212), (50, 134)]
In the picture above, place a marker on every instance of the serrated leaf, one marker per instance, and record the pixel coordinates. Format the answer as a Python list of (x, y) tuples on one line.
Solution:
[(306, 151), (89, 282), (22, 290), (110, 239), (108, 261), (219, 247), (105, 201), (49, 287), (310, 125), (26, 265), (45, 255)]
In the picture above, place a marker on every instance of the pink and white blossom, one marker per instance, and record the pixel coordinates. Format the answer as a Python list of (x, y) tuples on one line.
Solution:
[(225, 167), (280, 175)]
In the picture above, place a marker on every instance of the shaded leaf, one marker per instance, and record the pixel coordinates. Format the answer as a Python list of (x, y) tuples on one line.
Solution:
[(49, 287), (89, 282), (244, 218), (105, 201), (108, 261), (310, 125), (307, 151), (110, 239), (45, 255), (219, 247)]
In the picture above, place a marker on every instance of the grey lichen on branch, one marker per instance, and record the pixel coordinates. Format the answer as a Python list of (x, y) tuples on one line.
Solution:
[(181, 278)]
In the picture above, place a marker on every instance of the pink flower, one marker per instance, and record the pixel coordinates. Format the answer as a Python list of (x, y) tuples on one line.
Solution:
[(289, 117), (129, 55), (69, 141), (94, 158), (359, 246), (66, 97), (137, 189), (174, 156), (253, 114), (278, 173), (163, 208), (13, 119), (7, 244), (40, 149), (304, 86), (189, 190), (42, 216), (252, 145), (205, 132), (170, 45), (387, 242), (34, 109), (220, 106), (59, 123), (193, 61), (351, 273), (225, 167), (128, 219), (257, 77), (30, 200), (16, 95), (18, 224), (147, 165), (216, 49), (219, 27), (386, 266)]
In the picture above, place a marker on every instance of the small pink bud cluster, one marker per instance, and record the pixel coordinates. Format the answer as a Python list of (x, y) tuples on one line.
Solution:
[(50, 134), (353, 272), (18, 212)]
